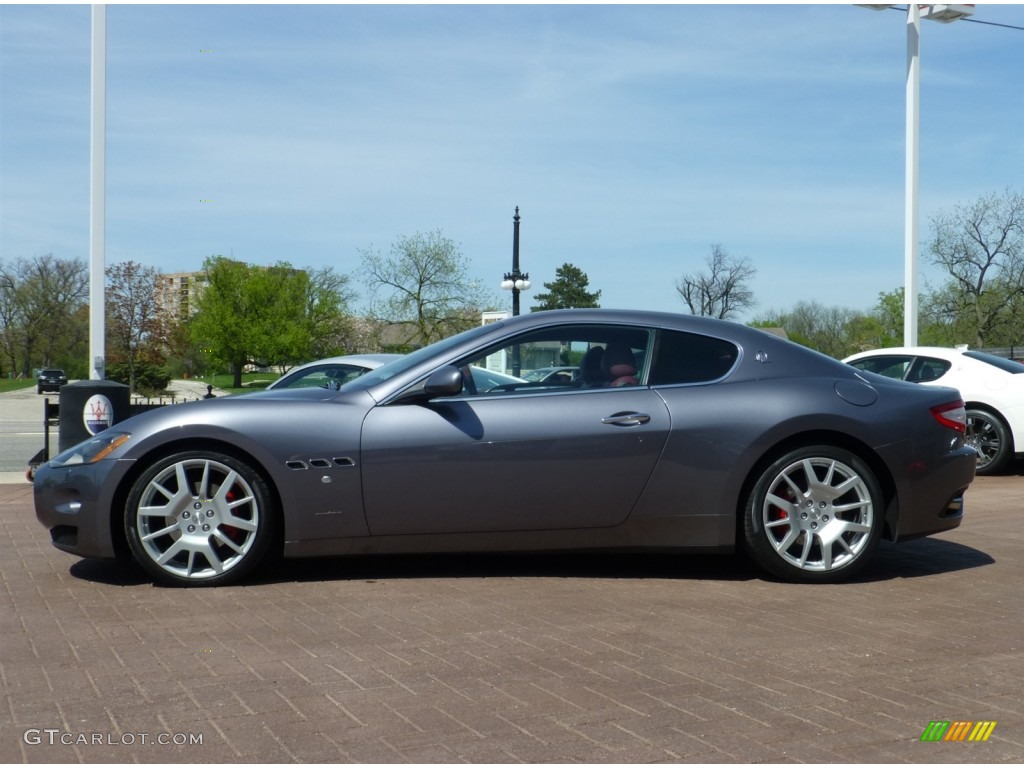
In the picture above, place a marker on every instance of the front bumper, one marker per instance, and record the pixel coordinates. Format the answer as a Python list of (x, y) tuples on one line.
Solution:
[(75, 503)]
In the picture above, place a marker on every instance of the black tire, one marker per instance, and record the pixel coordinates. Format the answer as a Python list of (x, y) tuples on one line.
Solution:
[(988, 435), (199, 519), (839, 514)]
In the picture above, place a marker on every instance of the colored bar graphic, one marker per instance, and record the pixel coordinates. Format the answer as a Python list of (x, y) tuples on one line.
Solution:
[(958, 730), (982, 730)]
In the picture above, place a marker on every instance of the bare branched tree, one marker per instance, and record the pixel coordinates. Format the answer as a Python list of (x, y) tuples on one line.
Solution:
[(40, 299), (722, 290), (981, 246), (131, 311), (423, 286)]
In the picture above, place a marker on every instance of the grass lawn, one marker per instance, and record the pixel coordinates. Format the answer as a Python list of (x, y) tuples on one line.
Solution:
[(9, 385)]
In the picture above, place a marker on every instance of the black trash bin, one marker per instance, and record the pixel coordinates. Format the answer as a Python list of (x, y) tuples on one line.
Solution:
[(89, 407)]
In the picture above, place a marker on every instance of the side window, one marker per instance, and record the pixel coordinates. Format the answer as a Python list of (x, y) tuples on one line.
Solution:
[(689, 358), (893, 366), (561, 358), (928, 369)]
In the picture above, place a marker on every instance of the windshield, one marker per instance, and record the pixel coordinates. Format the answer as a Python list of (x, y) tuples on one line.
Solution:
[(404, 363)]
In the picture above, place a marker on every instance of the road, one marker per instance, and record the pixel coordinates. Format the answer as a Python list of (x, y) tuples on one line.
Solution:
[(592, 658), (21, 427)]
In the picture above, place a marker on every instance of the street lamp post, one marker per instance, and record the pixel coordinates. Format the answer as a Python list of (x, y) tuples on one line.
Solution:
[(515, 280), (945, 14)]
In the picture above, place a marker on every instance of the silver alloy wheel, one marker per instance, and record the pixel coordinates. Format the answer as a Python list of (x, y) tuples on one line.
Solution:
[(818, 514), (197, 518), (987, 436)]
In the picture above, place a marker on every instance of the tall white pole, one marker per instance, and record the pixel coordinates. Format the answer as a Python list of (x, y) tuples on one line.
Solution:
[(910, 238), (97, 192)]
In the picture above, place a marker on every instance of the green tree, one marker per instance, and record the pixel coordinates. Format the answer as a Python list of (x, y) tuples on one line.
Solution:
[(722, 290), (422, 290), (889, 313), (264, 316), (332, 329), (567, 291)]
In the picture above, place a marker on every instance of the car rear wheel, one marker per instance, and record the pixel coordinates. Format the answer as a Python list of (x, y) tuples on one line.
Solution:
[(987, 434), (815, 514), (199, 518)]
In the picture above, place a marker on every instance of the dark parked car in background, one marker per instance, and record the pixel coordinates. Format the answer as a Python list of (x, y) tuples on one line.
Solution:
[(50, 380), (686, 434)]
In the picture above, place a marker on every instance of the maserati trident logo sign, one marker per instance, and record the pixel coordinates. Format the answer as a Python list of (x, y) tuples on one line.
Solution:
[(98, 414)]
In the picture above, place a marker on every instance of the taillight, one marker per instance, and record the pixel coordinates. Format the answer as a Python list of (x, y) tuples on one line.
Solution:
[(952, 415)]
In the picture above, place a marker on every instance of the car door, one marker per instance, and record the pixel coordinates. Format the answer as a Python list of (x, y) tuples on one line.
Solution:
[(523, 456), (537, 461)]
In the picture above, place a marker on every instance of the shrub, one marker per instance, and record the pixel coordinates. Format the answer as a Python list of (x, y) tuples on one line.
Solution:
[(150, 378)]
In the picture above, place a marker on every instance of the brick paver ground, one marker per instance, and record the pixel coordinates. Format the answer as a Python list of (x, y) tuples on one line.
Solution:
[(518, 659)]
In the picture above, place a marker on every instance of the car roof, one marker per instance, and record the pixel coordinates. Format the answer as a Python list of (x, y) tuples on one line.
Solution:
[(910, 351), (970, 359)]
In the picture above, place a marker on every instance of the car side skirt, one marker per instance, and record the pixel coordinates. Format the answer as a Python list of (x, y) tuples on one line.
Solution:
[(698, 533)]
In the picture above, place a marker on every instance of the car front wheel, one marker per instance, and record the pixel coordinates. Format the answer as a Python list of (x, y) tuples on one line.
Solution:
[(815, 514), (987, 434), (199, 518)]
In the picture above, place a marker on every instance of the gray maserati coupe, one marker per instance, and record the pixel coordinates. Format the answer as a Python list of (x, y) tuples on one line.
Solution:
[(678, 433)]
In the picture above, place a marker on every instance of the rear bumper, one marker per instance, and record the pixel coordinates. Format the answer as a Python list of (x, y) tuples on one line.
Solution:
[(930, 497)]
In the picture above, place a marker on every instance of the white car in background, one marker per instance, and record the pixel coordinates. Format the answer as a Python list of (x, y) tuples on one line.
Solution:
[(992, 387)]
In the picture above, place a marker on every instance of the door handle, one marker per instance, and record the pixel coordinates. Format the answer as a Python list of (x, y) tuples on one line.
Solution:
[(632, 419)]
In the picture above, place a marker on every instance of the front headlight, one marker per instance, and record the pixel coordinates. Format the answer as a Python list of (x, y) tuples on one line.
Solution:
[(92, 450)]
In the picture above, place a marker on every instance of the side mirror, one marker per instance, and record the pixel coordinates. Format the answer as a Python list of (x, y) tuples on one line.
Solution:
[(444, 382)]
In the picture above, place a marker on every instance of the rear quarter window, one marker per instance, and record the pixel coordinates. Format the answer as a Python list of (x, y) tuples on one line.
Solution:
[(890, 365), (689, 358)]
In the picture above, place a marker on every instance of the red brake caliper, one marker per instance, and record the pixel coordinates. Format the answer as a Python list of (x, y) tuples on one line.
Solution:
[(237, 535)]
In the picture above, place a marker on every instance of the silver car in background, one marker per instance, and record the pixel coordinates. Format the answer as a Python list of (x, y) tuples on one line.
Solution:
[(335, 372), (680, 434), (331, 372)]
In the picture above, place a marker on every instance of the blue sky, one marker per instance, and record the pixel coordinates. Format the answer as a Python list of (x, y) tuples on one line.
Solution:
[(631, 137)]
